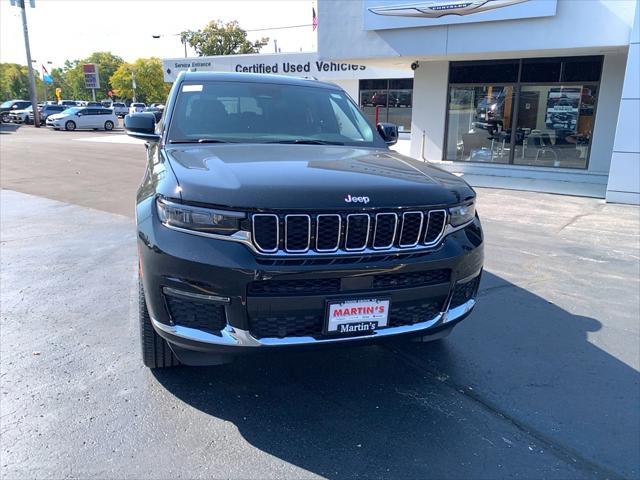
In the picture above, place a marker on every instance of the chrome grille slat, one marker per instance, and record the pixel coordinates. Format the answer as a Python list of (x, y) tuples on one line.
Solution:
[(348, 233), (434, 231), (405, 223), (262, 218), (362, 245), (378, 228), (291, 231), (320, 237)]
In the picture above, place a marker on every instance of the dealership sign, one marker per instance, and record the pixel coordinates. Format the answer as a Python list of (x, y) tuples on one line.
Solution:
[(91, 78), (387, 14), (295, 64)]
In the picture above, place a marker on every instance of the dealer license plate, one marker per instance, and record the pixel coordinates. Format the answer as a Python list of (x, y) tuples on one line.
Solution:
[(356, 317)]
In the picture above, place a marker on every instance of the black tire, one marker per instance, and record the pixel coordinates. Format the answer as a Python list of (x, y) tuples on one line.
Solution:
[(70, 126), (155, 349), (108, 125)]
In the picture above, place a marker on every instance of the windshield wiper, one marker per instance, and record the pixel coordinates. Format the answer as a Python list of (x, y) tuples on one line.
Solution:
[(199, 140), (304, 141)]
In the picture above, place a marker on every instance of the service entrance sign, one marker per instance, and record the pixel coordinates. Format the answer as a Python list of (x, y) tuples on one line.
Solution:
[(91, 78)]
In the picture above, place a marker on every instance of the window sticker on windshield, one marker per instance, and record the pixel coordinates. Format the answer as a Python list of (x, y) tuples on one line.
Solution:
[(192, 88)]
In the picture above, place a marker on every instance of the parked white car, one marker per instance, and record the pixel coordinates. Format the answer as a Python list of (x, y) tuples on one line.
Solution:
[(76, 118), (20, 116), (120, 109), (137, 107)]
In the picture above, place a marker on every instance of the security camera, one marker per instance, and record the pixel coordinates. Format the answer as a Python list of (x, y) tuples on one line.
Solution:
[(415, 65)]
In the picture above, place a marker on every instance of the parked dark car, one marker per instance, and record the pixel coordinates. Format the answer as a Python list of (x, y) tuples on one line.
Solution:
[(47, 110), (489, 113), (272, 215), (11, 105)]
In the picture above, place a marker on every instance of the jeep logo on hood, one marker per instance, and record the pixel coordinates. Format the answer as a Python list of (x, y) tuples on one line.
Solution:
[(352, 199)]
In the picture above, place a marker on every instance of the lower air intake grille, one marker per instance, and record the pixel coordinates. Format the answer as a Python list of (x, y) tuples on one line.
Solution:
[(412, 279), (411, 314), (194, 314), (281, 326), (463, 292)]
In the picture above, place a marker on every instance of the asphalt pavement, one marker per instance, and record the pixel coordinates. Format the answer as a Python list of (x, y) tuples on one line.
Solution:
[(541, 381)]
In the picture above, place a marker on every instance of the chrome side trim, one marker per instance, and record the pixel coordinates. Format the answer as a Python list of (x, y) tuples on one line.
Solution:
[(318, 217), (346, 236), (409, 245), (253, 231), (196, 296), (455, 313), (286, 238), (236, 337), (375, 231), (442, 230)]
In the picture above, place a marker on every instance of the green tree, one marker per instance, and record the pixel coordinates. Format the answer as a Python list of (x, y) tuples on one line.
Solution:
[(71, 78), (14, 82), (150, 85), (219, 38)]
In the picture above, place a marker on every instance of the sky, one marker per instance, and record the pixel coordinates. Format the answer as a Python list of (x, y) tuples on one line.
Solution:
[(73, 29)]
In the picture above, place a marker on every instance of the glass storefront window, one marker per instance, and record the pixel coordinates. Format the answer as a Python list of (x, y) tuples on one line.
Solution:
[(479, 121), (543, 115), (555, 125)]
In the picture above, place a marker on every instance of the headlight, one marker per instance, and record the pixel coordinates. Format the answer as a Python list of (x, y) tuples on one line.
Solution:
[(198, 219), (462, 214)]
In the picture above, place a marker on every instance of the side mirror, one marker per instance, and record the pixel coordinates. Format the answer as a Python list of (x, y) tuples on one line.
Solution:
[(141, 126), (388, 132)]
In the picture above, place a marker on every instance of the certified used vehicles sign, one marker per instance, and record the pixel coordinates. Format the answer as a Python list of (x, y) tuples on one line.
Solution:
[(357, 316)]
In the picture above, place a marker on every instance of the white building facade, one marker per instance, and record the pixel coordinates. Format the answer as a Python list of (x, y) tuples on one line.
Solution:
[(545, 91)]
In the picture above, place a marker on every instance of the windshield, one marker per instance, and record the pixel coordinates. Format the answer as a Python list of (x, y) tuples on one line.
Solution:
[(72, 110), (6, 104), (267, 113)]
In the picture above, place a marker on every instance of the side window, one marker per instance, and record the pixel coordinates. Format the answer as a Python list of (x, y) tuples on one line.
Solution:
[(92, 111)]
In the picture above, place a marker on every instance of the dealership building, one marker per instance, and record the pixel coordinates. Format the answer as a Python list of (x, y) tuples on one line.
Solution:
[(535, 94)]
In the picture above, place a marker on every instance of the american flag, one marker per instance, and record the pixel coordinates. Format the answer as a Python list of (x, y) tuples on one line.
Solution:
[(315, 19)]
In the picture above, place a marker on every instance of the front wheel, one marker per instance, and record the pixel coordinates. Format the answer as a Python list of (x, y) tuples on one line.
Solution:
[(155, 349), (108, 125), (5, 118), (70, 126)]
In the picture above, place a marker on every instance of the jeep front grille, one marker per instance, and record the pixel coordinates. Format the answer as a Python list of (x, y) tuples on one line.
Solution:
[(326, 233)]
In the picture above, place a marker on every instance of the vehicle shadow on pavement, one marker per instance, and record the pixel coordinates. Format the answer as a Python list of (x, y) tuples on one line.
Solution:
[(517, 390), (6, 128)]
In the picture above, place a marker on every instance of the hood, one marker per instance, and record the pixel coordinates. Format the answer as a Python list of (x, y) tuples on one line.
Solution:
[(312, 177), (56, 116)]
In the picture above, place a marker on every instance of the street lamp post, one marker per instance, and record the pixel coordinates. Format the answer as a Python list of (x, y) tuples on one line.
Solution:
[(32, 82)]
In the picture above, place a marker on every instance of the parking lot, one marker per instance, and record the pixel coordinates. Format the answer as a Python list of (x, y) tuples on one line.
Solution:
[(541, 381)]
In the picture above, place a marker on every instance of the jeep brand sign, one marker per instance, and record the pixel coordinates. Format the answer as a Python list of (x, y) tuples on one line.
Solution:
[(297, 64), (353, 199), (387, 14)]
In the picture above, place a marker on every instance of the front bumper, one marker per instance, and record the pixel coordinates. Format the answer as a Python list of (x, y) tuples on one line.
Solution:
[(223, 274)]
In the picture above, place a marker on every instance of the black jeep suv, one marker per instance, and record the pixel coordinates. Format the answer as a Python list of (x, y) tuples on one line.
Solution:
[(273, 215)]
